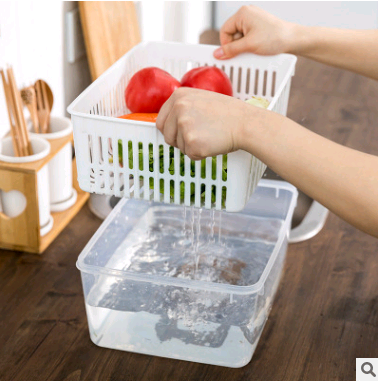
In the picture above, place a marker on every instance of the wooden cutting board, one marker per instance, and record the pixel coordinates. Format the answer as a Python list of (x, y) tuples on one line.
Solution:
[(110, 29)]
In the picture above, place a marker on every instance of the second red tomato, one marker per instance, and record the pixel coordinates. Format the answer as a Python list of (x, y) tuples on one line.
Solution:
[(208, 78)]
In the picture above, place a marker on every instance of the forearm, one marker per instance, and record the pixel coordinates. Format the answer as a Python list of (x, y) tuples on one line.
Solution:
[(342, 179), (355, 50)]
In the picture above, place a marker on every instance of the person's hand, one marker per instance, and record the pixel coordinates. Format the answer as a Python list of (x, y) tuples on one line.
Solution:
[(202, 123), (254, 30)]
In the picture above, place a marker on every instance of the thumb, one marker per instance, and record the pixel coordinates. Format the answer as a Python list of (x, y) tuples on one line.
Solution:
[(231, 49)]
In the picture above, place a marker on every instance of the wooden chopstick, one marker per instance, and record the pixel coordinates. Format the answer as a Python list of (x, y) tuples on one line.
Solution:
[(16, 126), (40, 105), (24, 134), (15, 141), (19, 132), (47, 107), (17, 123), (20, 113), (15, 113)]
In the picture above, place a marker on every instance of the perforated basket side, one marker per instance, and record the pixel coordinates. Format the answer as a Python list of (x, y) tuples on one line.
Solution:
[(109, 160), (113, 154)]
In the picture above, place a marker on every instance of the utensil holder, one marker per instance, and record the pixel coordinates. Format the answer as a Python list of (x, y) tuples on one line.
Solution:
[(13, 198), (26, 222), (62, 194)]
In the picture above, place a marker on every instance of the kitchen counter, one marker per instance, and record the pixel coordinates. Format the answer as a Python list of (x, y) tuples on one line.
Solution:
[(326, 309)]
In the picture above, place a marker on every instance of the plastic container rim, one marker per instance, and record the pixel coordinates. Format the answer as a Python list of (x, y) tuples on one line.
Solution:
[(189, 283)]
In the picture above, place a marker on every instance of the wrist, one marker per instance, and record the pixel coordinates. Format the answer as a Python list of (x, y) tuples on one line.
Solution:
[(251, 127), (300, 39), (260, 131)]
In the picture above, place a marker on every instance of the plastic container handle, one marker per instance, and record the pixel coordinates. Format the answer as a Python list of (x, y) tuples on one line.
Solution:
[(311, 224)]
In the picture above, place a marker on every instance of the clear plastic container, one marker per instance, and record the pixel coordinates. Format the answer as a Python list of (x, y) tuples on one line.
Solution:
[(187, 283)]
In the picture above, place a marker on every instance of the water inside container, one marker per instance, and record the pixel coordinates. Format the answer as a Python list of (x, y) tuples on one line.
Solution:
[(191, 243)]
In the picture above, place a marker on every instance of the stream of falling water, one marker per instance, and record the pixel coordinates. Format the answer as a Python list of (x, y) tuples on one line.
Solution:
[(197, 243), (211, 226), (191, 226), (191, 230), (184, 222)]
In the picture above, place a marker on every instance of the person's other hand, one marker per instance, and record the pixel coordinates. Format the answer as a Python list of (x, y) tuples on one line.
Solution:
[(202, 123), (254, 30)]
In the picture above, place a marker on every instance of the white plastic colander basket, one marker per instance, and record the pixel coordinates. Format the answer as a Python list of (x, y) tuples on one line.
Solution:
[(128, 158)]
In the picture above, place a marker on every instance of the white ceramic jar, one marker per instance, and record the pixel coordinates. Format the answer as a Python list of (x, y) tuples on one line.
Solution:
[(62, 194)]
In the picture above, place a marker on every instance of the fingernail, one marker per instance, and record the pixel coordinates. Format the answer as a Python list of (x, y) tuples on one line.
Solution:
[(218, 53)]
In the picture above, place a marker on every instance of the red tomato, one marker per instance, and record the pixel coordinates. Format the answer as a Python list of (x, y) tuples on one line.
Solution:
[(148, 90), (208, 78)]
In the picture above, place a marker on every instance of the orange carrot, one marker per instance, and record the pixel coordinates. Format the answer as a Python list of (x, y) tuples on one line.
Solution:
[(142, 117)]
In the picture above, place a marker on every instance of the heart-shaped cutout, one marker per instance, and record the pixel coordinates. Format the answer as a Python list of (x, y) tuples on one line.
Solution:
[(13, 203)]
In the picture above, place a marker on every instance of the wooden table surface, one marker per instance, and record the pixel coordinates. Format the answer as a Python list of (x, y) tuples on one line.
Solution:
[(324, 316)]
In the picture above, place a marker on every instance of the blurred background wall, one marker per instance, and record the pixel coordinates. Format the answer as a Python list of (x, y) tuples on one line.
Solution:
[(34, 36), (339, 14)]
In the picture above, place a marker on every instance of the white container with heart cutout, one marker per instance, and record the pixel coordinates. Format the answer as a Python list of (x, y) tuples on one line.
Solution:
[(14, 202)]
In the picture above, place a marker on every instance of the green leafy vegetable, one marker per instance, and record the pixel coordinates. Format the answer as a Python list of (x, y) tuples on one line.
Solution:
[(171, 169), (258, 102)]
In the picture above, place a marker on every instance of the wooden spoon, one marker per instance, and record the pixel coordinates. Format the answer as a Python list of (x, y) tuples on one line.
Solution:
[(48, 95), (49, 92)]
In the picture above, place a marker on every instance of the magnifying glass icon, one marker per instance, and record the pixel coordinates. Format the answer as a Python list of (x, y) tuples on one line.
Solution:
[(367, 368)]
